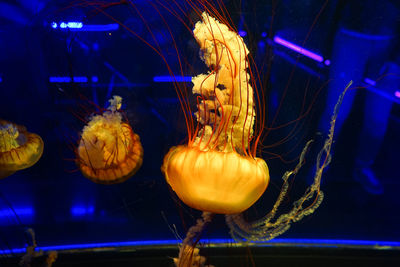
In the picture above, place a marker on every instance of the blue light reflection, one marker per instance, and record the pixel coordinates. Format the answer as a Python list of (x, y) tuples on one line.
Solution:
[(274, 242), (79, 26), (80, 210), (161, 79), (16, 215)]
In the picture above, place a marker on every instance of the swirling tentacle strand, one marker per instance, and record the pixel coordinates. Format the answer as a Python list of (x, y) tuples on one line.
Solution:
[(268, 227)]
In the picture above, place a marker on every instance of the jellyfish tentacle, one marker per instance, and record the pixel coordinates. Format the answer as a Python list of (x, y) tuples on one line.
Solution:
[(188, 253), (265, 229)]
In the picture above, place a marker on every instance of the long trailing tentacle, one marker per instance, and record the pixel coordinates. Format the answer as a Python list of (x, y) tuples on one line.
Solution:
[(271, 226)]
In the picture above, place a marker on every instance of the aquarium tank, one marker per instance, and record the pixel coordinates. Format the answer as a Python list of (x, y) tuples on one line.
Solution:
[(199, 133)]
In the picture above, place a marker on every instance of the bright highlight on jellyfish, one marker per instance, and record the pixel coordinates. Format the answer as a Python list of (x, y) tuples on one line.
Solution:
[(216, 172), (109, 151), (19, 149)]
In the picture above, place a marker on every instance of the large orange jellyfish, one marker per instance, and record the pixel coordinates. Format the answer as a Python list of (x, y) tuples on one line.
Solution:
[(19, 149), (216, 172), (109, 151)]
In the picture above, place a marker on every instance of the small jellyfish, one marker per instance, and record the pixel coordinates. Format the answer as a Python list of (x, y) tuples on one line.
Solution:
[(19, 149), (109, 151)]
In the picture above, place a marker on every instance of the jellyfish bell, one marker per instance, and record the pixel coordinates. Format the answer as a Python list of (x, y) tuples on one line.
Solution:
[(216, 172), (19, 149), (109, 151), (215, 181)]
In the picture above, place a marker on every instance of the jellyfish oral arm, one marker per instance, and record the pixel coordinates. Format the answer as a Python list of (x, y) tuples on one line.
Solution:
[(226, 109)]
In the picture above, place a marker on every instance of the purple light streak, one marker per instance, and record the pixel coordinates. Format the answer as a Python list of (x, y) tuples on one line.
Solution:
[(299, 49), (373, 83)]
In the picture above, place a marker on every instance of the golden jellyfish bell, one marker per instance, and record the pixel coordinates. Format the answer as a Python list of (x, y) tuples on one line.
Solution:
[(109, 151), (214, 181), (19, 149), (215, 172)]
